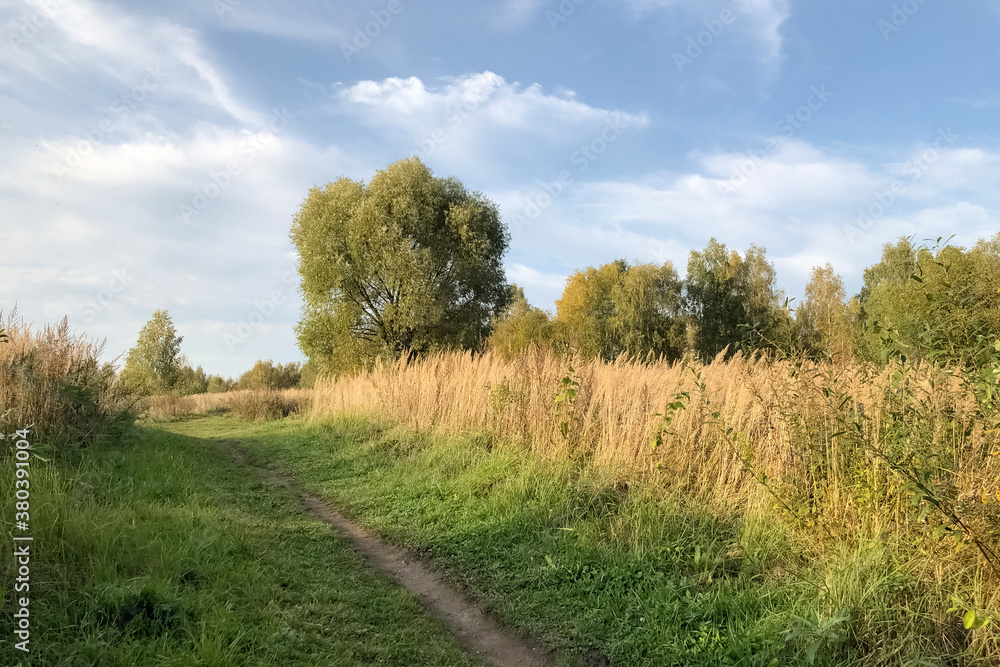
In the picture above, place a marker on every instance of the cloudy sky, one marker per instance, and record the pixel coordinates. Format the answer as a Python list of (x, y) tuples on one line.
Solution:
[(152, 154)]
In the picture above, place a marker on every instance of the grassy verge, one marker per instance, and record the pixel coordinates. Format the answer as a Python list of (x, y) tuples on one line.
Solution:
[(605, 570), (160, 551)]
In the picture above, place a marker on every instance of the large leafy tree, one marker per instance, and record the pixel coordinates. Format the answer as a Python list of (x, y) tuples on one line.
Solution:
[(405, 264), (269, 375), (521, 326), (825, 318), (153, 365), (733, 302), (621, 309)]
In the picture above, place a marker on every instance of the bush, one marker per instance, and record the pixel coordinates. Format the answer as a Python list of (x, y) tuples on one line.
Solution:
[(54, 382), (264, 405)]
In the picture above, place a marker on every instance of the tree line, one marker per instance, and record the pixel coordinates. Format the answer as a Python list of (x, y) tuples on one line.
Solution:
[(938, 302), (156, 366), (409, 264)]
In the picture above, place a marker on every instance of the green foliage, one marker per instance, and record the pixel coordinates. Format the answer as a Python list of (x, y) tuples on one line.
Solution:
[(520, 326), (628, 571), (218, 384), (940, 303), (308, 375), (620, 309), (160, 551), (269, 375), (565, 400), (733, 302), (53, 382), (826, 320), (408, 263), (261, 405), (153, 365), (190, 380)]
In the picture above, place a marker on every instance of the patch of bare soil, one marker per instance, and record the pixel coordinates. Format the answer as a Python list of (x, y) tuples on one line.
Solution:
[(480, 634)]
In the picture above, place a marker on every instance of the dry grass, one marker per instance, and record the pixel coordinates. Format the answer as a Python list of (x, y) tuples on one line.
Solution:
[(828, 445), (252, 405), (54, 382)]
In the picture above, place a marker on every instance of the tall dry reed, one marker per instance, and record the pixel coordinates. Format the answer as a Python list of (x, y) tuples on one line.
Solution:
[(837, 446), (250, 404), (55, 383)]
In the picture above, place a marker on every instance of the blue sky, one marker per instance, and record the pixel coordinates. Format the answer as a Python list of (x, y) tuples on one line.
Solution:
[(152, 154)]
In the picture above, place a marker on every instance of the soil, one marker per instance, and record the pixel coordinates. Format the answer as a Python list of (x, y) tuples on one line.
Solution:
[(478, 632)]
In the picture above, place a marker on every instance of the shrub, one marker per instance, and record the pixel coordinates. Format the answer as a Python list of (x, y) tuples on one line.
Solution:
[(54, 382), (264, 405)]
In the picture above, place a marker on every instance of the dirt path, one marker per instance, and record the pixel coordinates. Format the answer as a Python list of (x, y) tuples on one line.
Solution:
[(484, 637)]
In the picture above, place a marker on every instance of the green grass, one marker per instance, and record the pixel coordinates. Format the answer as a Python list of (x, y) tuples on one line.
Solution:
[(590, 564), (160, 551)]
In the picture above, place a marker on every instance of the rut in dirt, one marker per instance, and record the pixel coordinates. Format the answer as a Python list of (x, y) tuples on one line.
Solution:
[(481, 635)]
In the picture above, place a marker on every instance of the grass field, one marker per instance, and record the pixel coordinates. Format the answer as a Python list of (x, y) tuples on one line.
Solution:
[(603, 571), (744, 512), (160, 551)]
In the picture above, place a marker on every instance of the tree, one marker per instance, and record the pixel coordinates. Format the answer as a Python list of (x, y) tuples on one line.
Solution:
[(309, 375), (824, 318), (218, 384), (733, 302), (620, 309), (585, 310), (406, 264), (940, 302), (649, 313), (269, 375), (520, 326), (152, 366), (190, 380)]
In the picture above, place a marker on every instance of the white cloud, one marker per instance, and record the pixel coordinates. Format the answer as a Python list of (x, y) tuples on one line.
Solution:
[(457, 123), (799, 204), (486, 96), (94, 44), (760, 19)]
